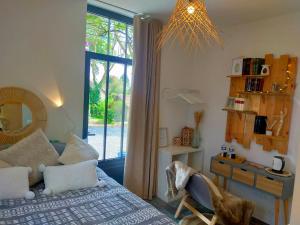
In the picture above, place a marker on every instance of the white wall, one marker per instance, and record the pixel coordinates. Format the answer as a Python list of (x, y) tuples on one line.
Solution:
[(175, 72), (42, 50), (278, 36)]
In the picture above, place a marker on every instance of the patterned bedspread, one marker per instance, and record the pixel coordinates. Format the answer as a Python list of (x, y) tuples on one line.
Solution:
[(111, 205)]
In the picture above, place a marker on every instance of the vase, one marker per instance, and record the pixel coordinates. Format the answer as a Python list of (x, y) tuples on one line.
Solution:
[(196, 138)]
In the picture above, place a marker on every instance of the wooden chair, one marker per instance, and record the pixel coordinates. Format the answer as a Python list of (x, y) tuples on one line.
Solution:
[(198, 189)]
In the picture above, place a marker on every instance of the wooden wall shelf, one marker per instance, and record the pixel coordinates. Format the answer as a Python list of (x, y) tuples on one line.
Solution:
[(248, 76), (276, 138), (240, 124), (265, 93), (239, 111)]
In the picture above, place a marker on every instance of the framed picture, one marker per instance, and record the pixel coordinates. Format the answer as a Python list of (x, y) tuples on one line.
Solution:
[(237, 66), (230, 103), (163, 137)]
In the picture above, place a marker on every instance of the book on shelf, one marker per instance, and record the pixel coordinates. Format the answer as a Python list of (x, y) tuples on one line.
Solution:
[(254, 85), (246, 66), (252, 66)]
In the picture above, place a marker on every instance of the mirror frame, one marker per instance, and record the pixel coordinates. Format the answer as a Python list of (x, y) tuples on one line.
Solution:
[(16, 95)]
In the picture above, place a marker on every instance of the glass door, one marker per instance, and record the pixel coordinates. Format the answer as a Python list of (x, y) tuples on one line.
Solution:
[(109, 89), (108, 75)]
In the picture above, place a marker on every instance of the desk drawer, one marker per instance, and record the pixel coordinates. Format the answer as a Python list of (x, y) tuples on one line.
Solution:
[(243, 176), (220, 167), (269, 185)]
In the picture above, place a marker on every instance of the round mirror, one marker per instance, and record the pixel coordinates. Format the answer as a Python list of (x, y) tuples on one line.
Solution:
[(14, 117), (21, 113)]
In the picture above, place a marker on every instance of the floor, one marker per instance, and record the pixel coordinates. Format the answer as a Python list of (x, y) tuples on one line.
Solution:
[(170, 209), (113, 140)]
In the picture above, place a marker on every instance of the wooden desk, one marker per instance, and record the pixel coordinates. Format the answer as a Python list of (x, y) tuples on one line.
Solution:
[(279, 187)]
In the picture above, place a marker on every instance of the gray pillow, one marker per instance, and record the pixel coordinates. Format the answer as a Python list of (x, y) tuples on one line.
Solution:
[(59, 147)]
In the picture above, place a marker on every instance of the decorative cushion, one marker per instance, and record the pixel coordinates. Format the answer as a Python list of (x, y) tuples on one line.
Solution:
[(14, 183), (31, 152), (59, 147), (70, 177), (77, 150), (4, 164)]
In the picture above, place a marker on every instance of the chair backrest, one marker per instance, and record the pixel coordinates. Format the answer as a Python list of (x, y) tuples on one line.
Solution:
[(198, 189)]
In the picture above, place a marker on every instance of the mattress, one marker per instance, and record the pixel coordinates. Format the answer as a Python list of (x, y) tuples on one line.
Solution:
[(111, 205)]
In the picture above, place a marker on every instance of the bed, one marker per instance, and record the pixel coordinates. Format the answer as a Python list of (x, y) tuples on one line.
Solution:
[(111, 205)]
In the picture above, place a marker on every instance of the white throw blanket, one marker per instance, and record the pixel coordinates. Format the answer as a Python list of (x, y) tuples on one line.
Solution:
[(178, 175), (183, 174)]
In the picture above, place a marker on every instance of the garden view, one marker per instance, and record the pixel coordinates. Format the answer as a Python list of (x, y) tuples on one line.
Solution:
[(110, 83)]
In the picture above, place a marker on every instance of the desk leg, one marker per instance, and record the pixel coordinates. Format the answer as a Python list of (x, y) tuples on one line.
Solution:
[(286, 211), (225, 184), (276, 213)]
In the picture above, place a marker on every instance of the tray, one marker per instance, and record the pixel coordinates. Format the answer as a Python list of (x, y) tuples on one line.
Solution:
[(238, 159), (284, 174)]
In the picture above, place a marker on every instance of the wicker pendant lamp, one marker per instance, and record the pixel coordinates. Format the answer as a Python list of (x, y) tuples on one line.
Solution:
[(191, 25)]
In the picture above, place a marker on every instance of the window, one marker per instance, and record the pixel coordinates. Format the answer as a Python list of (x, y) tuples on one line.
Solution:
[(108, 80)]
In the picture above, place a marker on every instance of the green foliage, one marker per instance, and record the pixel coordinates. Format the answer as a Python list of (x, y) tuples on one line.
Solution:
[(111, 40), (96, 34)]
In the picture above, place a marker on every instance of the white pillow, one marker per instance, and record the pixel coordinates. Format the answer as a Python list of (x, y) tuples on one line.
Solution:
[(14, 183), (70, 177), (77, 150)]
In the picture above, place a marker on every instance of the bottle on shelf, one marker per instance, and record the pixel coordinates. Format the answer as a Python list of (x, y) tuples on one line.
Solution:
[(224, 150)]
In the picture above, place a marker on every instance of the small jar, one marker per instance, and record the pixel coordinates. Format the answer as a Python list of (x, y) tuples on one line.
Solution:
[(224, 150)]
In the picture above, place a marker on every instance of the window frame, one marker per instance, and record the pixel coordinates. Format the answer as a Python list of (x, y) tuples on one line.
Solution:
[(109, 59)]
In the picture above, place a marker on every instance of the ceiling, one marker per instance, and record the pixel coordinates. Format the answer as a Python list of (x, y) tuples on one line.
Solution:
[(223, 12)]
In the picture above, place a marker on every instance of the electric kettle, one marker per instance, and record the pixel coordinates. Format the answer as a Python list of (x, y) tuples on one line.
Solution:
[(278, 164)]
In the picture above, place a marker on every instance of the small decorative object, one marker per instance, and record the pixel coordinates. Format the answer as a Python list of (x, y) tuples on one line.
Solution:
[(232, 154), (177, 141), (237, 66), (269, 133), (275, 88), (163, 137), (288, 78), (265, 70), (196, 136), (230, 103), (240, 104), (260, 126), (278, 164), (282, 117), (279, 123), (187, 136), (224, 150)]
